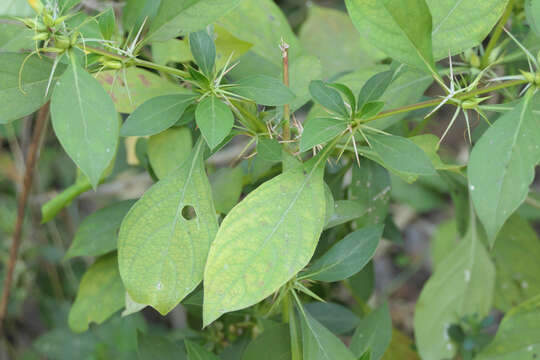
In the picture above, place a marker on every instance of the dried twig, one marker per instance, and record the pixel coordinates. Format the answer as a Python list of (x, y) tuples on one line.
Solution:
[(42, 119)]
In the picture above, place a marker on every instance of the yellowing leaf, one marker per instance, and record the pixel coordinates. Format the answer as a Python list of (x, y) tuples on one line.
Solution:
[(264, 241), (165, 237)]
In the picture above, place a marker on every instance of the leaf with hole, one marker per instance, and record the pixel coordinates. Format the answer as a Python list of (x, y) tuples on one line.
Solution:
[(156, 115), (265, 240), (165, 237), (85, 121)]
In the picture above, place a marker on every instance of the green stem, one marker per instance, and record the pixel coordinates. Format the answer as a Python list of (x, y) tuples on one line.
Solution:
[(435, 102), (285, 306), (296, 351), (136, 61), (497, 33)]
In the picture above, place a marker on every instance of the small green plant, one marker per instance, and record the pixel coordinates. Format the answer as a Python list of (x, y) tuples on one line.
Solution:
[(255, 248)]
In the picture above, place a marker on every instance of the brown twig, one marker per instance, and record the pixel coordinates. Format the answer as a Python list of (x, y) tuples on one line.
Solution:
[(42, 119)]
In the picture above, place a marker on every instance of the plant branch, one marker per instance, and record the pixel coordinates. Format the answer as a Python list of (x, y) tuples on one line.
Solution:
[(497, 33), (42, 119), (435, 102), (136, 61)]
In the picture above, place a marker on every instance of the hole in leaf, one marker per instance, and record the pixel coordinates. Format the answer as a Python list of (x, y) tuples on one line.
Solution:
[(188, 212)]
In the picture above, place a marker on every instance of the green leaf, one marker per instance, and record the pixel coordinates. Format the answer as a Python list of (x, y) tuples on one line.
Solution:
[(327, 97), (345, 211), (226, 188), (97, 233), (197, 352), (518, 334), (85, 121), (204, 51), (461, 25), (16, 7), (318, 35), (14, 38), (133, 87), (442, 243), (168, 150), (320, 130), (401, 347), (532, 11), (347, 257), (373, 334), (156, 115), (400, 28), (176, 18), (152, 347), (336, 318), (107, 23), (273, 344), (375, 87), (461, 285), (401, 154), (264, 90), (319, 343), (370, 188), (135, 12), (517, 280), (263, 24), (34, 78), (132, 307), (165, 237), (264, 240), (215, 120), (268, 149), (347, 92), (100, 294), (501, 166)]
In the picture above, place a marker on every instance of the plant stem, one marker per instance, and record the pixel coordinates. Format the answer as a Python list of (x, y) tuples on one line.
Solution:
[(286, 108), (435, 102), (296, 352), (42, 119), (533, 202), (285, 308), (137, 61), (497, 33)]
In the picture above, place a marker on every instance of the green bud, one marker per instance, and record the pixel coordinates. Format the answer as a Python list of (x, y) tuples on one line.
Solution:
[(530, 77), (113, 64), (31, 23), (54, 50), (42, 36), (62, 42), (60, 20), (47, 19), (74, 37)]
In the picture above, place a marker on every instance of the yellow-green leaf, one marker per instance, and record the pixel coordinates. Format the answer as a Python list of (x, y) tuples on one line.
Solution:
[(165, 237)]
